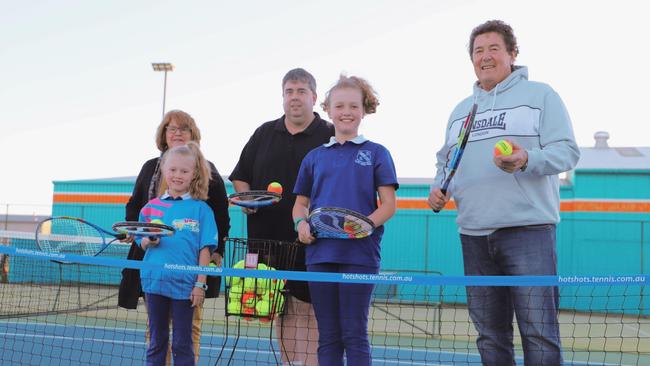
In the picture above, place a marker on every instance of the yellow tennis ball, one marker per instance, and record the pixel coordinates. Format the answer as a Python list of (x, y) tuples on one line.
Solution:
[(274, 187), (263, 307), (234, 307), (502, 147)]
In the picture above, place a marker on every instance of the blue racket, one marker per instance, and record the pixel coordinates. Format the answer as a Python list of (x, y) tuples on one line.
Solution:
[(64, 234), (463, 137), (339, 223)]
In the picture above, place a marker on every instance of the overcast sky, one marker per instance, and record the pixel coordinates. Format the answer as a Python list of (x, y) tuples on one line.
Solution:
[(80, 99)]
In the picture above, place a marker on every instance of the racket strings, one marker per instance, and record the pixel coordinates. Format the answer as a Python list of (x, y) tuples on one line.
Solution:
[(340, 225), (71, 236)]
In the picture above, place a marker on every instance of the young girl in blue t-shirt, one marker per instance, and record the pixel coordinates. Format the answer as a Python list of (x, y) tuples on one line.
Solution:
[(348, 172), (170, 294)]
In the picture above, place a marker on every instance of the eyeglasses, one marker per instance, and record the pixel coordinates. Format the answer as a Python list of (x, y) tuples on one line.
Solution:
[(173, 129)]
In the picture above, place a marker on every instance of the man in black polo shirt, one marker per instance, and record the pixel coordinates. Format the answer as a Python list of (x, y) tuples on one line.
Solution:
[(274, 154)]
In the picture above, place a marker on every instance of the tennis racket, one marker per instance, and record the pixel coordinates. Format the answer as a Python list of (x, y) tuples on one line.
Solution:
[(254, 199), (339, 223), (463, 137), (140, 229), (64, 234)]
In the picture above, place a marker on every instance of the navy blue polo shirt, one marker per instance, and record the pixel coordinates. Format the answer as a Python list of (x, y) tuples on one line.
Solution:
[(346, 175)]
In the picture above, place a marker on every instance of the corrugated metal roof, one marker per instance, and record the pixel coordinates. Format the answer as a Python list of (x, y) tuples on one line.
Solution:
[(632, 158), (100, 180)]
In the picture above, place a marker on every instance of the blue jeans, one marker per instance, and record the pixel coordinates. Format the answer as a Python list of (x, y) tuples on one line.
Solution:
[(525, 250), (159, 309), (342, 314)]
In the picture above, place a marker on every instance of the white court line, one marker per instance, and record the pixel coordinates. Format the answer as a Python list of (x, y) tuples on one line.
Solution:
[(386, 362), (26, 335), (638, 329), (134, 343), (44, 336)]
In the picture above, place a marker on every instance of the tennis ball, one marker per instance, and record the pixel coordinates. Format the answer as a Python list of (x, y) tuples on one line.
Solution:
[(502, 147), (234, 307), (248, 300), (250, 284), (263, 307), (274, 187)]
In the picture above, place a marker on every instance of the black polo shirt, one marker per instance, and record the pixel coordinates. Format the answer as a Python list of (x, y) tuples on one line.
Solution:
[(272, 154)]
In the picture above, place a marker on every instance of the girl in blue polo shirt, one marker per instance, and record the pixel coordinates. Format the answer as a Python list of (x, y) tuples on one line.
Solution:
[(171, 294), (349, 172)]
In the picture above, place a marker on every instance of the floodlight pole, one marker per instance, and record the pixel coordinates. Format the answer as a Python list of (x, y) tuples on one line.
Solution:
[(163, 66)]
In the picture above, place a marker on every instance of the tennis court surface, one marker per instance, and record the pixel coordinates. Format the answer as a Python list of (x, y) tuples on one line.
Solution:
[(62, 310)]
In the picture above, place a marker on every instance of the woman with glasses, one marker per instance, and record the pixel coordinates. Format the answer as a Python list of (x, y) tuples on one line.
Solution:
[(176, 129)]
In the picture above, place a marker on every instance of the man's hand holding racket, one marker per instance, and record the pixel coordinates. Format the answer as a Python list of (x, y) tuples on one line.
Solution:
[(251, 201), (437, 200)]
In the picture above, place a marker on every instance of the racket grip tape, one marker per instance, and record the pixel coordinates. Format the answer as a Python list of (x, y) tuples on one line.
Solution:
[(444, 192)]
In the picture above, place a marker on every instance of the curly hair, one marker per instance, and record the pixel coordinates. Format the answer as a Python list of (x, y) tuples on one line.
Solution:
[(183, 119), (368, 94), (202, 173), (496, 26)]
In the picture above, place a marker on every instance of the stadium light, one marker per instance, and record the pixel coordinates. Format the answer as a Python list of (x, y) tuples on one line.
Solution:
[(163, 66)]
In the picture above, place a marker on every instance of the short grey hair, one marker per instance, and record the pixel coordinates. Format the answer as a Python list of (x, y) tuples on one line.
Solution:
[(300, 74)]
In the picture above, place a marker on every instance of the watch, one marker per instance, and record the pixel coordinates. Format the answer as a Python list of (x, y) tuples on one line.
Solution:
[(523, 167), (201, 285)]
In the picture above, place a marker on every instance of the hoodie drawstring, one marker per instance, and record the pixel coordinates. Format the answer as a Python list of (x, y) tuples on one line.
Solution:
[(494, 99)]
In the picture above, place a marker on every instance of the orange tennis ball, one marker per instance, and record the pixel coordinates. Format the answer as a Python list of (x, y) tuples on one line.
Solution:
[(275, 187), (502, 147)]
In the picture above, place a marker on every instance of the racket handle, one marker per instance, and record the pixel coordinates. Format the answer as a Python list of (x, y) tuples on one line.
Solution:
[(443, 190)]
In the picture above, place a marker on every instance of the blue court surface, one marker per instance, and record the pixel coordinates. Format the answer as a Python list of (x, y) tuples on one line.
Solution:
[(58, 345)]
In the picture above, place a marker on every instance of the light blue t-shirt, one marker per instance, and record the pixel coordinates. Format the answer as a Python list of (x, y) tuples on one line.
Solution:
[(195, 229), (346, 176)]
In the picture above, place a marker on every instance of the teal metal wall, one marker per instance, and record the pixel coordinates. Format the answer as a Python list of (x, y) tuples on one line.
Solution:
[(605, 240)]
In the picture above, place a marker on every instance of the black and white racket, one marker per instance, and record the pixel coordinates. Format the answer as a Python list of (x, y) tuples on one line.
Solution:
[(339, 223), (72, 235), (463, 137), (254, 199), (141, 229)]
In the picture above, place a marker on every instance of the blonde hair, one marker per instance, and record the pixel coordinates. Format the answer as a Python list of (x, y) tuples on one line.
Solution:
[(202, 174), (183, 119), (368, 94)]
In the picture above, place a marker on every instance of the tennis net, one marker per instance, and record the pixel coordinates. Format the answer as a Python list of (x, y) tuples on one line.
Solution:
[(61, 309)]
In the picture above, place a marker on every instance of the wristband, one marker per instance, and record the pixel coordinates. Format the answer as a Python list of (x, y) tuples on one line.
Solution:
[(523, 167), (296, 222)]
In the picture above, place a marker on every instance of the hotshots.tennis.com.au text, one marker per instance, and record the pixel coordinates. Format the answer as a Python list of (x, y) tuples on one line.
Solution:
[(184, 267), (375, 277), (40, 254), (601, 279)]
